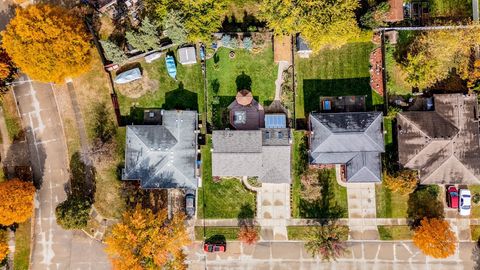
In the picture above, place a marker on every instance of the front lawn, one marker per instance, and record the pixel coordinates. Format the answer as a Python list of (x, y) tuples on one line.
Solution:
[(303, 232), (475, 189), (254, 71), (390, 204), (230, 233), (164, 92), (227, 198), (475, 231), (401, 232), (337, 72), (21, 257)]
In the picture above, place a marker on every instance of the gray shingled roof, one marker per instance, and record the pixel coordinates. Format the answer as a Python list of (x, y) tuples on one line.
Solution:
[(163, 156), (252, 153), (354, 139), (444, 144)]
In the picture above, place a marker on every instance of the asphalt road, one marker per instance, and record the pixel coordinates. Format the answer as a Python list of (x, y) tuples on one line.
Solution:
[(53, 247)]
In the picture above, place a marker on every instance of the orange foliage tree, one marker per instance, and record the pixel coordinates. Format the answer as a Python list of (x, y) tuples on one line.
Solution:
[(144, 240), (403, 182), (3, 250), (16, 201), (434, 238), (248, 235), (47, 42), (7, 69)]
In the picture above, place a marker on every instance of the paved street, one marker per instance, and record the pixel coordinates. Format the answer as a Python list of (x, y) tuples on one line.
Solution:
[(362, 255), (53, 247)]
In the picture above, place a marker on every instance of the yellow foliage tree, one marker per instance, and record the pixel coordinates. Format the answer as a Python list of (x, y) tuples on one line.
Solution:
[(49, 43), (403, 182), (3, 250), (434, 238), (144, 240), (16, 201)]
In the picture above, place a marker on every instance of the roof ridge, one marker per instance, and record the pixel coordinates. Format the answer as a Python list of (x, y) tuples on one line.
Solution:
[(414, 125), (440, 165), (380, 147), (330, 134)]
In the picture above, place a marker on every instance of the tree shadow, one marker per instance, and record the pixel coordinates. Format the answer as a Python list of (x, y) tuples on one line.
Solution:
[(247, 22), (82, 178), (220, 113), (325, 206), (215, 86), (246, 215), (181, 99), (216, 239), (5, 16), (243, 81), (313, 89), (424, 202), (216, 58), (31, 154)]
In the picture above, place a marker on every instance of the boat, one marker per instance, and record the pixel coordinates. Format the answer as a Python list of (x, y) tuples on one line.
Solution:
[(171, 67)]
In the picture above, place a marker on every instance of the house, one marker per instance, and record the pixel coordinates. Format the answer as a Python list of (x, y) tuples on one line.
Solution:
[(302, 47), (187, 55), (443, 144), (163, 156), (263, 153), (245, 112), (353, 140), (118, 9)]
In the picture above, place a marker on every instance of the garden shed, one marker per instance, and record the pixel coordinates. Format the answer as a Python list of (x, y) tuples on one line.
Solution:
[(187, 55)]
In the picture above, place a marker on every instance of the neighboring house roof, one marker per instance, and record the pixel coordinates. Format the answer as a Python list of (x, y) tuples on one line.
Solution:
[(186, 55), (245, 112), (354, 139), (255, 153), (442, 144), (163, 156)]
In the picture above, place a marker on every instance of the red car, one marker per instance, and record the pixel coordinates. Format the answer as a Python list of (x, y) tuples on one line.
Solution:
[(214, 247), (452, 197)]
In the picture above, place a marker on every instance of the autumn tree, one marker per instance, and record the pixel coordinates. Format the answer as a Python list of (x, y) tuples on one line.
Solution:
[(145, 38), (403, 182), (16, 201), (174, 28), (49, 43), (4, 250), (377, 16), (113, 52), (321, 23), (73, 213), (248, 235), (7, 68), (328, 241), (424, 203), (434, 55), (434, 238), (145, 240)]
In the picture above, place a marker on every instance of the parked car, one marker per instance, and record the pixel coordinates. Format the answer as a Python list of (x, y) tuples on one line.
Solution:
[(190, 204), (210, 247), (465, 202), (452, 197)]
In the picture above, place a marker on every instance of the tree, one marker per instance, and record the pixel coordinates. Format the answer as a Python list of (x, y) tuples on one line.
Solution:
[(174, 28), (145, 38), (248, 234), (16, 201), (403, 182), (434, 238), (144, 240), (47, 42), (201, 18), (321, 23), (113, 52), (434, 55), (424, 203), (4, 250), (73, 213), (7, 68), (103, 126), (327, 241), (376, 17)]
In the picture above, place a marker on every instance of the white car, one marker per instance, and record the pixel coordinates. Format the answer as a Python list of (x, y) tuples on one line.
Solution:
[(465, 202)]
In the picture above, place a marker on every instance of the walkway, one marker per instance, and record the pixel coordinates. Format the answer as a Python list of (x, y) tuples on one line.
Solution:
[(53, 247), (282, 66), (362, 211)]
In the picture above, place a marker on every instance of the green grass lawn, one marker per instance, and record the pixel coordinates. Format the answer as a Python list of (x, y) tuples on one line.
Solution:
[(396, 83), (12, 120), (475, 206), (390, 204), (388, 127), (451, 8), (303, 232), (22, 246), (230, 233), (395, 232), (332, 202), (298, 137), (337, 72), (475, 231), (226, 199), (256, 72), (185, 93)]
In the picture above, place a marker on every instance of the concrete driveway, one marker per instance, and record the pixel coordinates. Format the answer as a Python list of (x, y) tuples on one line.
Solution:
[(362, 211), (53, 247)]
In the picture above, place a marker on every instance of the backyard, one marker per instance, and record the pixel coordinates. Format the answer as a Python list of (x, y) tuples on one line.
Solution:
[(158, 90), (225, 76), (227, 198), (334, 72)]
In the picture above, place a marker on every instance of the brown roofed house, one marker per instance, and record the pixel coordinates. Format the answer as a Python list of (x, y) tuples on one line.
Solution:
[(245, 112), (443, 145)]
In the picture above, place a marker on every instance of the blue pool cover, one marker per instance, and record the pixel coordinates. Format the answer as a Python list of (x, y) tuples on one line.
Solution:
[(326, 105), (275, 121)]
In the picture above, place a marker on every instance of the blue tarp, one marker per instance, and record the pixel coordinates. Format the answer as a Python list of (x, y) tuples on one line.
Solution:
[(171, 67), (128, 76)]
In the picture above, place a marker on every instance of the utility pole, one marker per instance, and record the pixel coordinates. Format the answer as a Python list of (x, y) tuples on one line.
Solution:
[(475, 10)]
